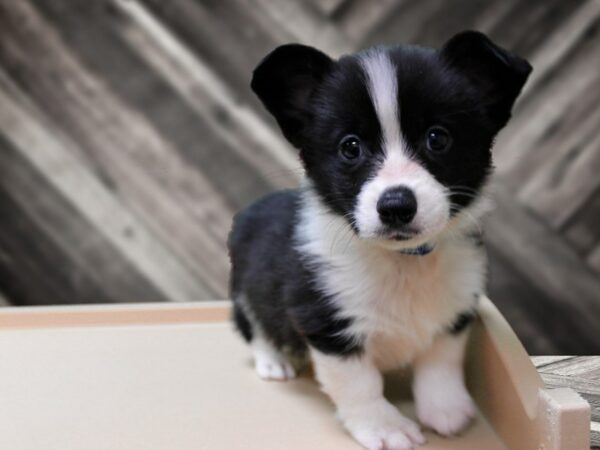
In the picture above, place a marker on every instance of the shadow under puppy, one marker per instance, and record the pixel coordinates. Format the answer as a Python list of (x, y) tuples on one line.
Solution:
[(374, 263)]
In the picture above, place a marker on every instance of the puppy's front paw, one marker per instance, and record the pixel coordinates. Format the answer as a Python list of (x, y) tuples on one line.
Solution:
[(274, 369), (447, 413), (383, 427)]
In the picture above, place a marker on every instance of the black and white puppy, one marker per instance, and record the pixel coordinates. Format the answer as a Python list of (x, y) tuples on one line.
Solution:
[(374, 263)]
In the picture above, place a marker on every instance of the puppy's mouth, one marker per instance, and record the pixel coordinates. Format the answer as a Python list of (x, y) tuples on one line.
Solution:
[(399, 235)]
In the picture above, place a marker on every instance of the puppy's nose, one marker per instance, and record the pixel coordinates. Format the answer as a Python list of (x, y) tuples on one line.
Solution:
[(397, 206)]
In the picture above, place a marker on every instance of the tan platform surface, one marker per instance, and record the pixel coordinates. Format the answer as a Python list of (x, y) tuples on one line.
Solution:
[(162, 386)]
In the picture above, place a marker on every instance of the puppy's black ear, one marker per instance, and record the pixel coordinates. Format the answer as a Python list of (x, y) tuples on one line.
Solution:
[(499, 74), (285, 80)]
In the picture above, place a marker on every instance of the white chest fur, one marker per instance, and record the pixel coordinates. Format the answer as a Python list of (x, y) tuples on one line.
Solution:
[(398, 303)]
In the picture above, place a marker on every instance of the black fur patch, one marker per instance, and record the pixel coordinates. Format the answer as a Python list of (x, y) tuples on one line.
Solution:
[(468, 87), (463, 320), (278, 285), (241, 323), (322, 328)]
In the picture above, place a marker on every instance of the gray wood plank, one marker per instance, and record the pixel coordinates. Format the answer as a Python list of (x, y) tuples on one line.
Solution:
[(122, 145), (594, 257), (48, 151), (582, 230), (359, 17), (81, 251), (536, 117), (306, 26), (568, 178), (243, 131), (552, 267), (580, 374), (93, 34), (542, 361), (528, 25), (512, 293), (208, 34)]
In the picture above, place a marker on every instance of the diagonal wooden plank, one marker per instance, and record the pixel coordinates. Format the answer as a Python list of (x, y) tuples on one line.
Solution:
[(540, 112), (225, 51), (568, 178), (148, 174), (561, 41), (33, 269), (542, 361), (528, 25), (329, 7), (359, 17), (79, 249), (594, 256), (582, 230), (306, 26), (93, 34), (551, 266), (244, 131), (511, 292), (583, 367), (50, 155)]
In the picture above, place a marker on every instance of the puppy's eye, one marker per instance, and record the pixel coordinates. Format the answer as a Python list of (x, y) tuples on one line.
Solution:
[(350, 148), (438, 140)]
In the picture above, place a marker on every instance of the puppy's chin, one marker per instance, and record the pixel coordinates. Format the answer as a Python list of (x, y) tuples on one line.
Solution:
[(394, 244)]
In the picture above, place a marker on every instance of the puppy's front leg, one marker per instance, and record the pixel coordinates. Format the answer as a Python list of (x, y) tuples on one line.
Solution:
[(442, 401), (356, 387)]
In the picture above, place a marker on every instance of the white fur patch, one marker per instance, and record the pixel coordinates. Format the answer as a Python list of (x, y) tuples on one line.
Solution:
[(398, 303), (442, 401), (269, 362), (398, 168), (356, 387), (382, 83)]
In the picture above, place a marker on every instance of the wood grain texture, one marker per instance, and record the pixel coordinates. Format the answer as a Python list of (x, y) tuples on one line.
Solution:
[(132, 125), (581, 374)]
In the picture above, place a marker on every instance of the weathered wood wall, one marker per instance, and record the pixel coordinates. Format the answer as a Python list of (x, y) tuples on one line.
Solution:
[(129, 136)]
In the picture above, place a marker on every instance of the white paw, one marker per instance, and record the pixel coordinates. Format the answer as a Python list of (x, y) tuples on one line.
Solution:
[(384, 428), (446, 414), (269, 362), (272, 368)]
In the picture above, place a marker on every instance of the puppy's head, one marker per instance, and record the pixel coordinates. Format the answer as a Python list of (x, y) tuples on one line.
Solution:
[(397, 140)]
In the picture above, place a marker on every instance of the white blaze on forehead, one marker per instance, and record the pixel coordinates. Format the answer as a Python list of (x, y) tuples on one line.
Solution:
[(398, 168), (382, 83)]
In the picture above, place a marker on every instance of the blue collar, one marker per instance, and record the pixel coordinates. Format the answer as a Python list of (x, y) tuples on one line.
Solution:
[(421, 250)]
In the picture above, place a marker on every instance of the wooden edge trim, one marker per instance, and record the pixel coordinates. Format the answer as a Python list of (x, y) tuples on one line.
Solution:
[(503, 380), (113, 315)]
